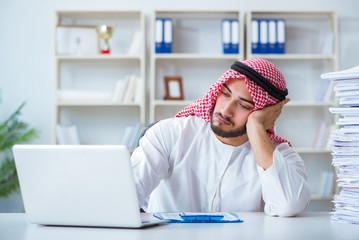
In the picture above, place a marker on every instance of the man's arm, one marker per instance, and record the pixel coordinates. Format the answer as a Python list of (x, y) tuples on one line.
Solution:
[(284, 187), (258, 123), (150, 160)]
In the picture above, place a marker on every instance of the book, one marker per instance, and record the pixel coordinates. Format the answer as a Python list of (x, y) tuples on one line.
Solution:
[(321, 137), (61, 135), (272, 36), (167, 35), (130, 90), (135, 44), (325, 90), (138, 94), (327, 43), (234, 36), (268, 36), (130, 135), (281, 36), (255, 35), (159, 48), (226, 36), (132, 141), (326, 183), (263, 36), (67, 134), (126, 136), (120, 90)]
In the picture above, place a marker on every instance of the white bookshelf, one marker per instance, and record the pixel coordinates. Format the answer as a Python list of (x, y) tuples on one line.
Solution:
[(100, 121), (196, 57), (302, 64)]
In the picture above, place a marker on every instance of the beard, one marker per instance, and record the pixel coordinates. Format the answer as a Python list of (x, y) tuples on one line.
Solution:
[(227, 134)]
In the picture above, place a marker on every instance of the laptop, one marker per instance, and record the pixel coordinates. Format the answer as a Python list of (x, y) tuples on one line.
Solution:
[(79, 185)]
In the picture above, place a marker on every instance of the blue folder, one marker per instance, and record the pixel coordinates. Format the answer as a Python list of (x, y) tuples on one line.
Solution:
[(255, 36), (226, 36), (234, 36), (159, 48), (198, 217)]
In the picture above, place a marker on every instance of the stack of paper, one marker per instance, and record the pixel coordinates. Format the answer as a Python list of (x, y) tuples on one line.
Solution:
[(345, 144)]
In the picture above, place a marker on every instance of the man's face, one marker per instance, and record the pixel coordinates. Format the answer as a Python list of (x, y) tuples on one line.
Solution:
[(233, 106)]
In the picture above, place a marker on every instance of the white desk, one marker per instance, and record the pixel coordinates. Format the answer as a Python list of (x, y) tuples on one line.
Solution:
[(306, 226)]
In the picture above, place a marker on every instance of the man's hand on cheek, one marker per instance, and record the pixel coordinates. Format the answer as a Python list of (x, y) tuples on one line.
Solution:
[(267, 116)]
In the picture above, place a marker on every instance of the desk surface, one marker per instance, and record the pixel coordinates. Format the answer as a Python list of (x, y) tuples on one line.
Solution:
[(308, 225)]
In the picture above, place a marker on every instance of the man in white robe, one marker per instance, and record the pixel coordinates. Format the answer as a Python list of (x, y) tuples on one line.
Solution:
[(221, 152)]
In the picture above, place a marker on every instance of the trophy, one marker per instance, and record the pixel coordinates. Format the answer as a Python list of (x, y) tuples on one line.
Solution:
[(104, 32)]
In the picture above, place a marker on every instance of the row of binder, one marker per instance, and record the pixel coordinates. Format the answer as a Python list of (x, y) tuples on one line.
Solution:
[(230, 36), (268, 36), (163, 35)]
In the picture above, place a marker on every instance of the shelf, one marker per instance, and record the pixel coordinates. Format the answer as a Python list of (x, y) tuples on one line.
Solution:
[(172, 102), (310, 104), (98, 57), (293, 12), (295, 56), (92, 14), (312, 150), (319, 197), (99, 119), (97, 104), (191, 11), (290, 104), (195, 56)]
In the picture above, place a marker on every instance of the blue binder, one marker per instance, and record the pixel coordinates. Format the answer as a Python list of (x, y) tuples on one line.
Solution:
[(226, 36), (234, 36), (255, 36), (272, 36), (263, 36), (197, 217), (167, 35), (159, 35), (281, 39)]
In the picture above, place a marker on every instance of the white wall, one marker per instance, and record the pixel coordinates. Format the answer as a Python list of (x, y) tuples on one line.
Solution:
[(26, 44)]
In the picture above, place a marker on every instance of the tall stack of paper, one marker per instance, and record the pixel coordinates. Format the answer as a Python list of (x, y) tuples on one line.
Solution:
[(345, 144)]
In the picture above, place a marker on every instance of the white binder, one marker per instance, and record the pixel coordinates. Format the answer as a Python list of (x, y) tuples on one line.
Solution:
[(255, 36), (263, 35)]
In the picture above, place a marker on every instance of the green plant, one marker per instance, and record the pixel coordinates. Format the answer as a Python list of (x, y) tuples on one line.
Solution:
[(12, 131)]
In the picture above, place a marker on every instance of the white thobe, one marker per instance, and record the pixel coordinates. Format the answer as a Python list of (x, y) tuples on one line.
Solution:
[(182, 166)]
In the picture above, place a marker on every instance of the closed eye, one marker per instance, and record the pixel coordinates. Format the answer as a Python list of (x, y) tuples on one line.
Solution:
[(245, 107), (225, 93)]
